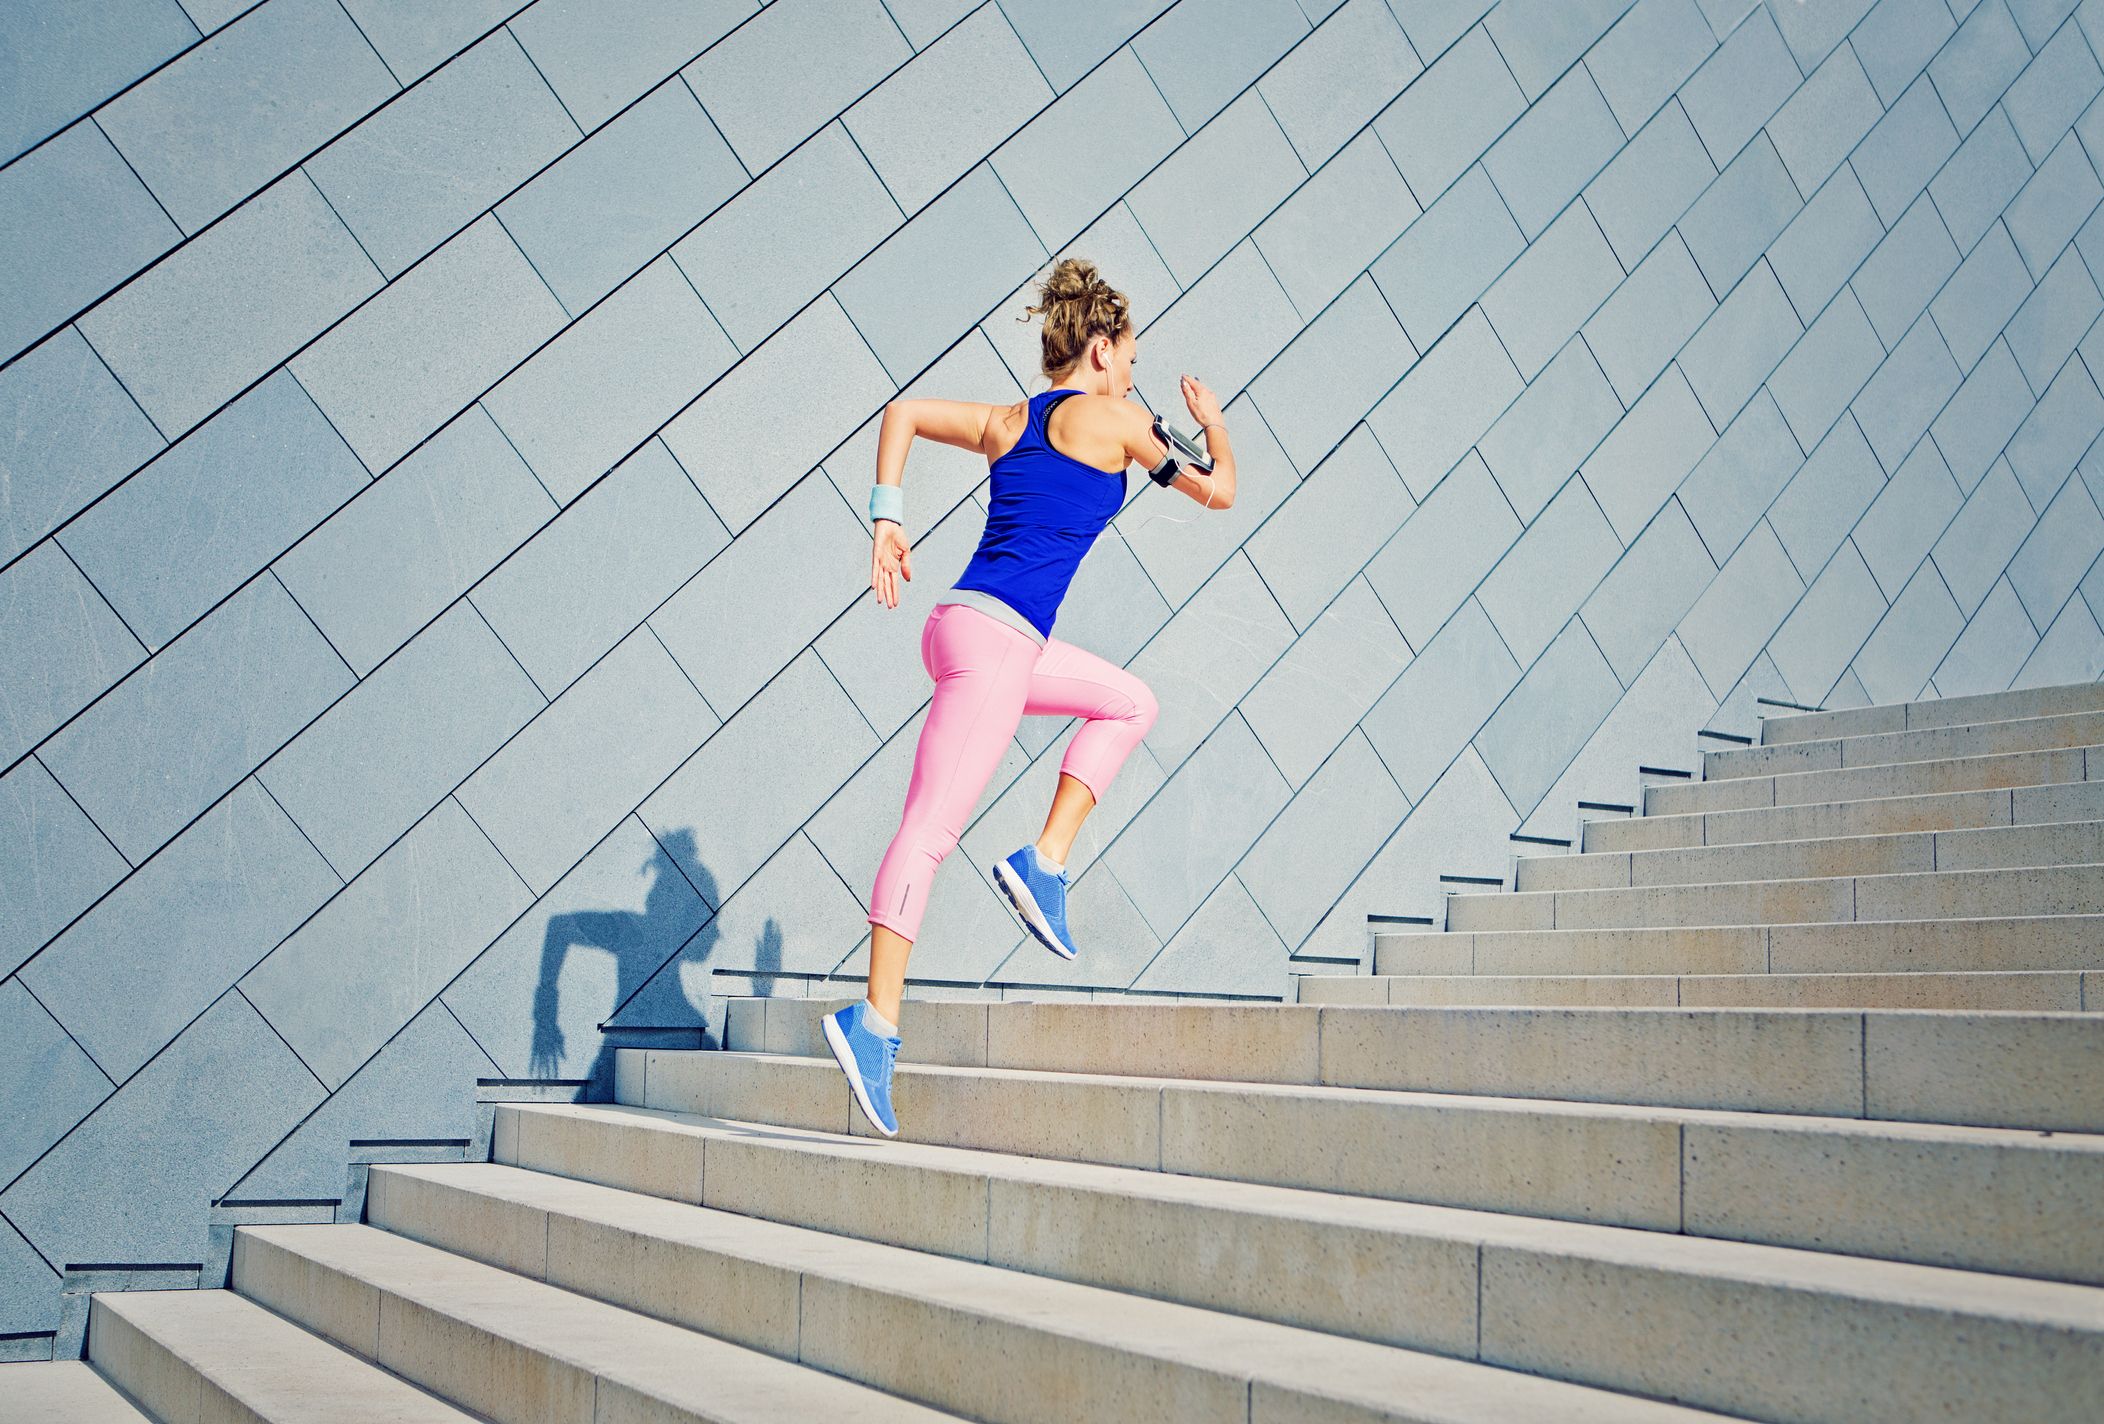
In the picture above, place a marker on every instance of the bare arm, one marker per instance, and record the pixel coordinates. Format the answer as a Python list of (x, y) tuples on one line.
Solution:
[(1215, 490), (960, 423)]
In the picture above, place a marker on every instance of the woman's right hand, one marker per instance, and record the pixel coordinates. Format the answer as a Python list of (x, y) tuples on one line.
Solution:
[(890, 558), (1204, 405)]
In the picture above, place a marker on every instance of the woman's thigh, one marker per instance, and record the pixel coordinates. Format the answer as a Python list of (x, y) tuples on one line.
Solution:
[(1073, 682)]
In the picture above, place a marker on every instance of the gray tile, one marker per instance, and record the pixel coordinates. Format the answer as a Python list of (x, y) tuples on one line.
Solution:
[(415, 539), (1899, 156), (241, 108), (2052, 205), (1906, 518), (1333, 373), (1545, 576), (1986, 411), (1988, 170), (53, 862), (534, 1000), (1433, 25), (420, 169), (936, 276), (1547, 719), (2052, 438), (181, 730), (1650, 51), (1547, 433), (1740, 87), (2072, 650), (1208, 657), (1541, 38), (1126, 127), (153, 954), (1649, 317), (348, 979), (64, 646), (1185, 840), (76, 217), (1201, 200), (86, 53), (598, 59), (1329, 527), (2043, 333), (383, 756), (838, 49), (744, 616), (1336, 223), (1897, 38), (1068, 41), (924, 21), (1815, 382), (1324, 837), (174, 539), (1553, 150), (1824, 243), (1740, 345), (1443, 551), (1822, 634), (197, 328), (416, 38), (1240, 40), (1824, 499), (759, 777), (1551, 288), (596, 572), (794, 916), (1897, 280), (573, 772), (1981, 297), (762, 255), (1441, 700), (1435, 413), (1649, 184), (1450, 115), (1313, 696), (48, 1081), (2057, 552), (1644, 595), (1978, 63), (1990, 650), (1445, 259), (1811, 32), (1915, 633), (1980, 542), (1732, 223), (408, 360), (127, 1183), (2053, 90), (1824, 119), (610, 205), (1335, 80), (1226, 947), (948, 108), (68, 432), (2038, 19), (1741, 475), (1737, 614), (1223, 330), (588, 399), (1906, 393), (1643, 458)]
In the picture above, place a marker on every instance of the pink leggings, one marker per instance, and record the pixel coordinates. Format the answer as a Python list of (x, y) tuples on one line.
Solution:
[(987, 676)]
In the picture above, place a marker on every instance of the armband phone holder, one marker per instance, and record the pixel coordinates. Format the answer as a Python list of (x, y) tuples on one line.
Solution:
[(1182, 450)]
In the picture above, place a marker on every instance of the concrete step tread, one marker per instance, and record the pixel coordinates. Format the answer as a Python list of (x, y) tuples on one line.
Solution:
[(2063, 991), (1934, 711), (1233, 1351), (1989, 771), (1641, 867), (2085, 869), (171, 1344), (1959, 1292), (682, 1374), (2043, 732), (65, 1392), (1934, 810)]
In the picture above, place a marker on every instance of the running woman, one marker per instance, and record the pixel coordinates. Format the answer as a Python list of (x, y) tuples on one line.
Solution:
[(1059, 463)]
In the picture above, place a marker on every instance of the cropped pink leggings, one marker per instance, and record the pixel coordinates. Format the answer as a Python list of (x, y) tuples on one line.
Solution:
[(987, 676)]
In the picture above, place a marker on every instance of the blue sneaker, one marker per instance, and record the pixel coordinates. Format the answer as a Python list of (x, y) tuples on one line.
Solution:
[(866, 1057), (1039, 897)]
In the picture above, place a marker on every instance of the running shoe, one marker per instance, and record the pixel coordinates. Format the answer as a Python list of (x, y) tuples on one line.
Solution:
[(1039, 897), (866, 1057)]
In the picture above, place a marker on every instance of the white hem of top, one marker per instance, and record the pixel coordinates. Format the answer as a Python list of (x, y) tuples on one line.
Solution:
[(993, 608)]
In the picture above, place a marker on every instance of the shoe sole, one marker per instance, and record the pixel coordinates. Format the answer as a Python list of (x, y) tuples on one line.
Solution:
[(837, 1041), (1026, 909)]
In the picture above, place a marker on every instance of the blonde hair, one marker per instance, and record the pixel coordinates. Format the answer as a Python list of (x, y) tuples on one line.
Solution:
[(1078, 306)]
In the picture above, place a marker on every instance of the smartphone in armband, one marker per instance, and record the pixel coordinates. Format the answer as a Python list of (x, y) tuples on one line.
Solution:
[(1182, 451)]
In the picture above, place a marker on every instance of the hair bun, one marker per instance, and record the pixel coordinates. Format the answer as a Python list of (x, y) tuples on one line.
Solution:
[(1078, 305)]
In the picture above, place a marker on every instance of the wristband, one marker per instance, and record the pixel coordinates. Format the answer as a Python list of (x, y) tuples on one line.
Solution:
[(887, 502)]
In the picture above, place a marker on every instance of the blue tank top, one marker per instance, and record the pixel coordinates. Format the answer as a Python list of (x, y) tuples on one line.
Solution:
[(1047, 509)]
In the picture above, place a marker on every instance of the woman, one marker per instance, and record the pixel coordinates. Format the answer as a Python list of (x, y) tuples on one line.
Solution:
[(1058, 462)]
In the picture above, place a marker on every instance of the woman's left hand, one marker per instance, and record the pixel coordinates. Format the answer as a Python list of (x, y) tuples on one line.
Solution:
[(890, 558)]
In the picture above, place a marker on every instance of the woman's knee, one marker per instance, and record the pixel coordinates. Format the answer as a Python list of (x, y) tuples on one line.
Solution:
[(1145, 708)]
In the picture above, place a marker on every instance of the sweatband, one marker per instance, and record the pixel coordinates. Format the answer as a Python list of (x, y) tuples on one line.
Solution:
[(887, 502)]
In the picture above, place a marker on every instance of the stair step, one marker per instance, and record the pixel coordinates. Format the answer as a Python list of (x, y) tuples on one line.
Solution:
[(212, 1354), (2033, 992), (64, 1392), (1897, 1190), (2072, 729), (1939, 811), (1970, 894), (1935, 712), (1988, 848), (1863, 783), (1986, 944), (1422, 1273), (1001, 1344), (513, 1348)]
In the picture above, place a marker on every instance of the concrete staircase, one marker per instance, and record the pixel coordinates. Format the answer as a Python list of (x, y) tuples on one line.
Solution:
[(1776, 1102)]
